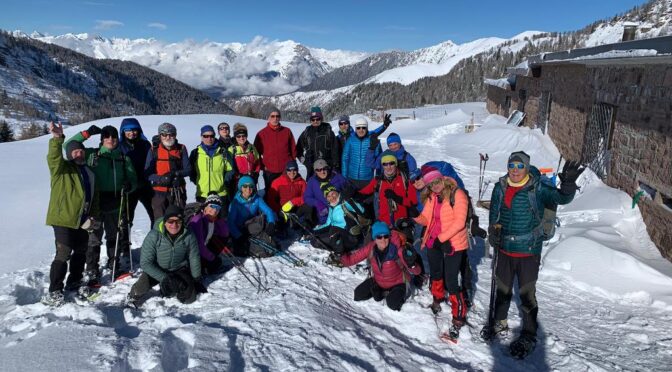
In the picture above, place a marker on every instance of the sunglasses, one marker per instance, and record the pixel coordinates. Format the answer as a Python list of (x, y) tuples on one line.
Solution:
[(216, 207), (208, 136), (241, 136), (173, 221), (315, 119), (389, 164), (275, 116), (131, 130), (168, 135), (223, 128), (343, 123), (322, 169), (516, 165), (292, 170), (247, 186), (382, 236), (360, 128)]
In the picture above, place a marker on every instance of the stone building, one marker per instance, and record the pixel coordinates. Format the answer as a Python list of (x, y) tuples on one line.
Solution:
[(611, 107)]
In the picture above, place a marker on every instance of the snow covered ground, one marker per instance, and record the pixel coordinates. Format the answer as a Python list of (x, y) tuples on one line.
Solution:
[(604, 292)]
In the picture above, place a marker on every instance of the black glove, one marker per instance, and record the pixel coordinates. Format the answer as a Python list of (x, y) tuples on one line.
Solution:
[(445, 247), (126, 187), (373, 142), (270, 229), (93, 130), (199, 287), (165, 180), (413, 211), (494, 236), (177, 182), (570, 172), (391, 195), (387, 121), (404, 223), (410, 256)]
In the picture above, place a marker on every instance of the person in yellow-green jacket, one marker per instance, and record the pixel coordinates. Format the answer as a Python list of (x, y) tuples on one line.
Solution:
[(73, 208), (212, 167), (115, 175)]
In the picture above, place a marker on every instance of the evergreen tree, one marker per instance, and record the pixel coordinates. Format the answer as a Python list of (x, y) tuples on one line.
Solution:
[(6, 133)]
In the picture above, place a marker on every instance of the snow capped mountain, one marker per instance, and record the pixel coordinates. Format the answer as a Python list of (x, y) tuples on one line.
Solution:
[(259, 67), (650, 20)]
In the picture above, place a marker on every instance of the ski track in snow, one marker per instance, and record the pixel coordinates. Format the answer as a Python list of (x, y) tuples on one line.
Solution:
[(308, 320)]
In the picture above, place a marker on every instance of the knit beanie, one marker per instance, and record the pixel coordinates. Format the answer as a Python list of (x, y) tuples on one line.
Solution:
[(431, 176), (239, 128), (130, 123), (206, 129), (71, 146), (379, 228), (393, 138), (167, 128), (213, 199), (344, 119), (108, 131), (388, 156), (173, 211), (326, 189), (520, 156), (316, 111), (245, 180), (361, 122), (320, 163), (291, 165)]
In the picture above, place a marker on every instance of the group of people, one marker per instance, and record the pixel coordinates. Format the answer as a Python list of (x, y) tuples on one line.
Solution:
[(412, 224)]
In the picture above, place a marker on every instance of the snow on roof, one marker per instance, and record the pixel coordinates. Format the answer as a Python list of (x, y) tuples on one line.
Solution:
[(614, 54), (501, 83)]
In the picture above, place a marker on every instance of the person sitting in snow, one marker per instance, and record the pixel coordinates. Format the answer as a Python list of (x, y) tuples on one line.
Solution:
[(285, 195), (314, 196), (212, 233), (391, 265), (341, 231), (516, 234), (169, 257), (250, 217), (73, 208)]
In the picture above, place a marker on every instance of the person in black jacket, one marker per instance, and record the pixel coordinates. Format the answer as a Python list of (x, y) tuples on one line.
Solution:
[(318, 142), (135, 145)]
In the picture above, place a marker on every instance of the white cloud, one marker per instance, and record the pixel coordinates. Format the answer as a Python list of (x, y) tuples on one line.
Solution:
[(157, 25), (107, 24)]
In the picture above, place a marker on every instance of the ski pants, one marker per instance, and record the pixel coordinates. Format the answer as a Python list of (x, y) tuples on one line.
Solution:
[(184, 292), (335, 238), (394, 297), (109, 224), (161, 201), (269, 177), (71, 246), (444, 270), (143, 195), (527, 271), (309, 215)]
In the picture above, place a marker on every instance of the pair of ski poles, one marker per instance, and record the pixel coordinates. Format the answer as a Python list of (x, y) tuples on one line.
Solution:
[(247, 274), (122, 225), (481, 174), (286, 255)]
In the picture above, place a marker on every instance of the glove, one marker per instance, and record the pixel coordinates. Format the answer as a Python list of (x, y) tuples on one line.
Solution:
[(126, 187), (445, 247), (570, 172), (199, 287), (171, 285), (177, 182), (387, 121), (287, 207), (373, 142), (494, 236), (413, 211), (390, 194), (270, 229), (90, 224), (93, 130), (410, 257)]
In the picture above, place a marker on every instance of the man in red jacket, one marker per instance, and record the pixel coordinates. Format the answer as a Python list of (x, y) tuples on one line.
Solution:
[(276, 146)]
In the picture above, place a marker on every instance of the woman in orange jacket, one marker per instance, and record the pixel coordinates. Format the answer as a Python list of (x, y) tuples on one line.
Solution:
[(445, 214)]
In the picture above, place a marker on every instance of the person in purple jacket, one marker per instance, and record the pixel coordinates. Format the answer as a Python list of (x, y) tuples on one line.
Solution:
[(211, 232), (314, 196)]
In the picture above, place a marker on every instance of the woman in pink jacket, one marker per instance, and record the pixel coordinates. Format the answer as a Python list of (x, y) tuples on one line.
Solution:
[(392, 263), (445, 215)]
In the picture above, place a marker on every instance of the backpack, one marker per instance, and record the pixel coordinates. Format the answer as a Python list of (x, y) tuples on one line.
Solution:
[(403, 164)]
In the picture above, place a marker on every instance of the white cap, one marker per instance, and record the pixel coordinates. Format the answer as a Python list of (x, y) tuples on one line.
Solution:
[(361, 122)]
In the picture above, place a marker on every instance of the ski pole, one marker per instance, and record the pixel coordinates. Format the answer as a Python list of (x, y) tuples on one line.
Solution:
[(128, 231), (116, 242), (271, 249), (493, 281), (244, 271), (312, 235)]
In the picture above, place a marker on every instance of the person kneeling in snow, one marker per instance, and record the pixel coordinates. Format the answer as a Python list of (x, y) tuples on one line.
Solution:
[(390, 264), (251, 222), (169, 257), (211, 232)]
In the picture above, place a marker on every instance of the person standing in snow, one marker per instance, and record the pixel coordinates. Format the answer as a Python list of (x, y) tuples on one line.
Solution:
[(318, 142), (444, 212), (212, 232), (73, 208), (391, 265), (406, 161), (225, 140), (276, 146), (136, 147), (244, 154), (115, 175), (516, 232), (169, 257), (211, 167), (166, 167)]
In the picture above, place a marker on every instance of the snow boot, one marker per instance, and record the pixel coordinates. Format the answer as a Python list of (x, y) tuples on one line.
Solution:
[(92, 278), (523, 346), (132, 302), (53, 299), (499, 329), (436, 306)]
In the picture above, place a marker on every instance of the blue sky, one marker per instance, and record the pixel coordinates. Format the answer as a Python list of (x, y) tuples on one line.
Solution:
[(353, 25)]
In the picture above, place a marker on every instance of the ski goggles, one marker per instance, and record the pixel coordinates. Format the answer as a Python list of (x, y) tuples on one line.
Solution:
[(382, 236), (216, 207), (516, 165)]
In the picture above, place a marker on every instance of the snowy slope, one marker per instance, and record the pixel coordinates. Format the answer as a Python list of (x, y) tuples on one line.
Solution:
[(604, 292)]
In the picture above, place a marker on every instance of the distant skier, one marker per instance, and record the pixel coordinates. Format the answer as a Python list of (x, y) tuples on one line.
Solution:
[(318, 142), (516, 232), (73, 208)]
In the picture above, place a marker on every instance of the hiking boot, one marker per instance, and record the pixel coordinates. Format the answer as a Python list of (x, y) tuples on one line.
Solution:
[(523, 346), (454, 331), (334, 260), (73, 286), (436, 306), (132, 301), (53, 299), (499, 329), (92, 278)]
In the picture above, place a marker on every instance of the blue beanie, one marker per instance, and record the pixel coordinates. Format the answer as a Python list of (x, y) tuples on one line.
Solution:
[(207, 128), (393, 138), (292, 165), (379, 228), (244, 180)]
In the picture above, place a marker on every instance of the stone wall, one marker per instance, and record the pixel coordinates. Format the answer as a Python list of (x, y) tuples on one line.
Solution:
[(496, 101)]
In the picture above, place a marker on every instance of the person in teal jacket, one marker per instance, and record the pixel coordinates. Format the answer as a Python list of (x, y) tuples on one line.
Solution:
[(115, 175), (250, 216), (169, 257), (343, 229), (516, 233)]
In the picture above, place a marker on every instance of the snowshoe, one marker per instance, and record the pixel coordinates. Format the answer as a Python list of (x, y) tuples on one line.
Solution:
[(435, 306), (304, 239), (522, 347), (53, 299), (500, 330), (87, 293), (452, 335)]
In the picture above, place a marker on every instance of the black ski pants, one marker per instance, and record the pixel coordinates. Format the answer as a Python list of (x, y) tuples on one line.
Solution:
[(394, 297), (143, 195), (444, 271), (334, 239), (184, 291), (527, 271), (161, 201), (109, 224), (268, 180), (71, 246)]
